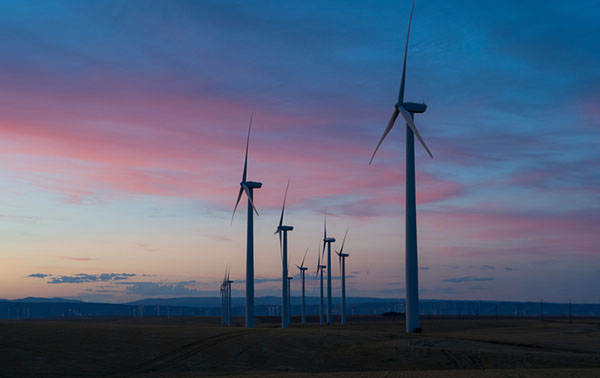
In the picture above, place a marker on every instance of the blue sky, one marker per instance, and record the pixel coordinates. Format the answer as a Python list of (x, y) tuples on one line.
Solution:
[(123, 131)]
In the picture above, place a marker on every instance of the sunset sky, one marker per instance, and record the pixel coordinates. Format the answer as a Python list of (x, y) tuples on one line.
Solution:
[(123, 126)]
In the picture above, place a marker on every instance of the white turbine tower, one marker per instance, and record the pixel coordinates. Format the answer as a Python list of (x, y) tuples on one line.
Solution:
[(248, 188), (303, 269), (327, 242), (407, 110), (282, 230), (342, 256), (320, 268)]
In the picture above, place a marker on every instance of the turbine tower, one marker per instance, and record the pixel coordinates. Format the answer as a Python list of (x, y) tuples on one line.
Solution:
[(223, 302), (327, 242), (248, 188), (229, 282), (282, 230), (303, 269), (289, 298), (320, 270), (407, 110), (342, 256)]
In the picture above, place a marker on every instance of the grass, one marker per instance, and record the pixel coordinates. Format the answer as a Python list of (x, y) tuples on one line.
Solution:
[(199, 347)]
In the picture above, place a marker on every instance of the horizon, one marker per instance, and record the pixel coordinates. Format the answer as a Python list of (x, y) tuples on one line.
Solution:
[(123, 129)]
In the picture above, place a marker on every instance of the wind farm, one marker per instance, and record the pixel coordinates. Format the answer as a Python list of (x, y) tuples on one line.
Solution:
[(122, 133)]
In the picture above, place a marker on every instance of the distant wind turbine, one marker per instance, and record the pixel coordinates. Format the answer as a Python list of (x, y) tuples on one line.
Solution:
[(248, 188), (320, 268), (342, 256), (223, 299), (282, 230), (303, 269), (229, 282), (407, 110), (327, 242)]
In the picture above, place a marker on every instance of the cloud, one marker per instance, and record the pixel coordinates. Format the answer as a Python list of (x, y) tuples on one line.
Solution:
[(77, 258), (39, 275), (487, 267), (424, 267), (508, 268), (84, 278), (150, 289), (467, 279)]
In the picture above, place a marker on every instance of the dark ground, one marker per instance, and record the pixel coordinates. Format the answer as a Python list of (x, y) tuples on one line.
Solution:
[(200, 347)]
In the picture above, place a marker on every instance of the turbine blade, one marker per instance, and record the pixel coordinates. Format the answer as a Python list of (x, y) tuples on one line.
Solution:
[(247, 143), (385, 133), (304, 258), (325, 225), (344, 241), (283, 207), (247, 190), (402, 81), (237, 203), (411, 123), (318, 263), (280, 248)]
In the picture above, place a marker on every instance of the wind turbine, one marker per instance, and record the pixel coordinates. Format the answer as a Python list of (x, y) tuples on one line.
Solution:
[(229, 282), (223, 299), (248, 187), (342, 256), (222, 303), (327, 241), (320, 270), (283, 250), (407, 110), (302, 272)]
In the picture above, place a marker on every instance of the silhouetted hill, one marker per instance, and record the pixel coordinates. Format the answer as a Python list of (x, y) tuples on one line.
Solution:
[(43, 300), (27, 308)]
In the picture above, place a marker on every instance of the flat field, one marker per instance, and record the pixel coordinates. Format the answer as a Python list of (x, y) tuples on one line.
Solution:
[(200, 347)]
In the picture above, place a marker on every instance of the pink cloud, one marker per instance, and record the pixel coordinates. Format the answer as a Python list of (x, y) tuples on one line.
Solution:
[(523, 233), (80, 146)]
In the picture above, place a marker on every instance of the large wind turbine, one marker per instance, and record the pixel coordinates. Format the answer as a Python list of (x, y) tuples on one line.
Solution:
[(303, 269), (407, 110), (327, 242), (320, 268), (282, 230), (342, 256), (248, 187)]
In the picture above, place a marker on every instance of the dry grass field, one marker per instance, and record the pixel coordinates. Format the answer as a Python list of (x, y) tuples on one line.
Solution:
[(199, 347)]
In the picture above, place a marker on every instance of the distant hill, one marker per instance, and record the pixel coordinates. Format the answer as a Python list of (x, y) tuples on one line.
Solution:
[(28, 308), (43, 300), (240, 301)]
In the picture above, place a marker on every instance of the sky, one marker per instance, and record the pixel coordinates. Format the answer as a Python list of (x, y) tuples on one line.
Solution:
[(123, 126)]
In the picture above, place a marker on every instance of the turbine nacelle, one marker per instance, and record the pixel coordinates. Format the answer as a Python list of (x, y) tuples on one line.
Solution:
[(412, 107), (285, 228), (329, 240), (252, 184)]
